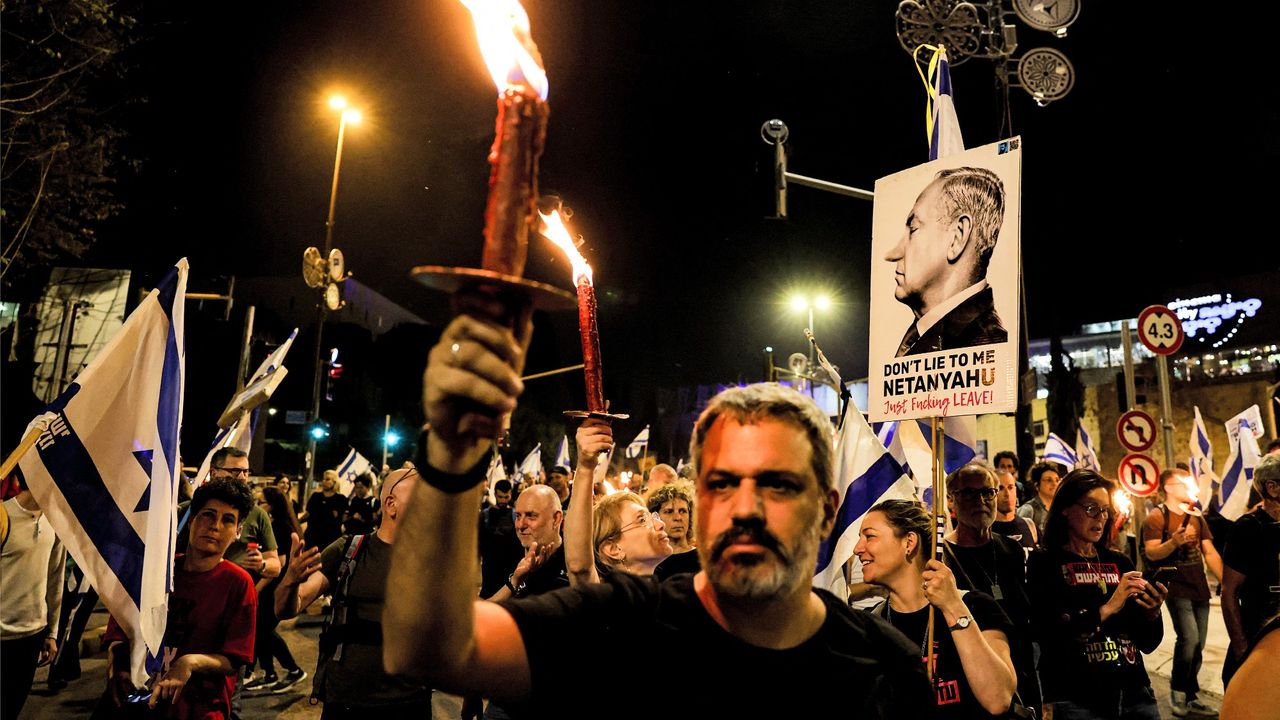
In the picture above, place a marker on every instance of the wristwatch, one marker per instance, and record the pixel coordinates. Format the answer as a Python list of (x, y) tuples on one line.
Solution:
[(962, 622)]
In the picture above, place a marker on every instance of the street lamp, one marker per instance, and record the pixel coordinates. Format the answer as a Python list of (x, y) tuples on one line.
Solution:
[(800, 303), (347, 115)]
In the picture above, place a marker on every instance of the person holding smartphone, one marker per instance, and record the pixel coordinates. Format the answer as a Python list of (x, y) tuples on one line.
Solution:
[(1177, 541), (1092, 613)]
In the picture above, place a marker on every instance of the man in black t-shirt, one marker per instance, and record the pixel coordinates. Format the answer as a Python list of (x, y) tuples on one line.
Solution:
[(350, 679), (993, 564), (1007, 522), (500, 549), (1251, 567), (760, 638), (325, 510), (362, 508)]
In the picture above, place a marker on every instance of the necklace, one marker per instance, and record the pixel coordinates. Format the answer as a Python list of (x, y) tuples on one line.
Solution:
[(1096, 567), (924, 638)]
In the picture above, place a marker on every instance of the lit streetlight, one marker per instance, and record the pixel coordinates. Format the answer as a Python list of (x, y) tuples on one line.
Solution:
[(346, 115), (803, 303)]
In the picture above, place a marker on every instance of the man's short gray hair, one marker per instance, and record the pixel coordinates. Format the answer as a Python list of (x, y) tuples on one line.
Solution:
[(978, 193), (1268, 470), (771, 401)]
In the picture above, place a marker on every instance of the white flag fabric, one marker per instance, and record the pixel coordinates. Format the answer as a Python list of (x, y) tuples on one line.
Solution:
[(562, 454), (352, 466), (637, 446), (866, 474), (240, 433), (531, 466), (105, 469), (1057, 450), (911, 445), (1237, 474), (495, 473), (944, 130), (1202, 462), (1085, 455)]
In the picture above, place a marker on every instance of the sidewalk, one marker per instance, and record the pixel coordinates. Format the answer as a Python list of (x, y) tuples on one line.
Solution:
[(1160, 663)]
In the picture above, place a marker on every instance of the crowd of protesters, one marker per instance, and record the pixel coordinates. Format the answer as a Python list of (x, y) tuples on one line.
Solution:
[(550, 596)]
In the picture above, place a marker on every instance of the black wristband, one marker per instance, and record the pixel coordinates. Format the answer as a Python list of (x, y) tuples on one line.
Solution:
[(443, 481)]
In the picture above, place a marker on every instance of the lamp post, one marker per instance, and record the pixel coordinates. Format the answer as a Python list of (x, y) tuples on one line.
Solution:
[(347, 115), (821, 301)]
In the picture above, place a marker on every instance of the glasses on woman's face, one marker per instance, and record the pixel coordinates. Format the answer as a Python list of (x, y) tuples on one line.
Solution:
[(1093, 510), (647, 518), (971, 494)]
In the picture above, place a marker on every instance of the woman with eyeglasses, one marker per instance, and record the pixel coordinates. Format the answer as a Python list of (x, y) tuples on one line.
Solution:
[(1093, 614), (619, 533), (973, 673)]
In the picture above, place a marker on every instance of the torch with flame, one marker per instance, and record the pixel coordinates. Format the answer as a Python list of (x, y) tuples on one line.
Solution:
[(1122, 508), (1191, 509), (497, 289), (553, 229), (502, 28)]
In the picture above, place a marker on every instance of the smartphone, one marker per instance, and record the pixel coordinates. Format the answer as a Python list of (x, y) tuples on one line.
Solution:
[(1161, 574)]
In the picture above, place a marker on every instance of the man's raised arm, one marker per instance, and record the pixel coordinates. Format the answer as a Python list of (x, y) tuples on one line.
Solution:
[(433, 627)]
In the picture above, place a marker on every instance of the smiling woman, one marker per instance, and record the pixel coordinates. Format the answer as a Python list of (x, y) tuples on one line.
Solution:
[(970, 660)]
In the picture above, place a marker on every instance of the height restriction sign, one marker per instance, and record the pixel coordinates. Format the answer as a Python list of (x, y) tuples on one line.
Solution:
[(1160, 330), (1139, 474)]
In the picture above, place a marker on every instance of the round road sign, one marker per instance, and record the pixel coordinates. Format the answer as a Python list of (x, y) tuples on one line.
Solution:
[(1160, 330), (1139, 474), (1136, 431)]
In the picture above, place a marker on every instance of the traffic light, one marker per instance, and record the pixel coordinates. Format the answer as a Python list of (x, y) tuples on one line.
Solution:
[(391, 438), (333, 373), (318, 430)]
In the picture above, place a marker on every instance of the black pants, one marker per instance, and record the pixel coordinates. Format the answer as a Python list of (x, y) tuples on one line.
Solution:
[(74, 617), (416, 710), (268, 645), (18, 660)]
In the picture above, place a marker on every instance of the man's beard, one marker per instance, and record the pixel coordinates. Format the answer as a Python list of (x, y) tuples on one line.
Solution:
[(767, 578)]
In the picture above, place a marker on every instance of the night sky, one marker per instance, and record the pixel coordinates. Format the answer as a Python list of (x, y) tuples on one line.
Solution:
[(1143, 179)]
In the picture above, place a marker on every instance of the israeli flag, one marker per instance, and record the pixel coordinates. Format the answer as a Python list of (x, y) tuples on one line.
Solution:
[(239, 434), (352, 466), (911, 445), (640, 444), (1085, 456), (495, 473), (944, 127), (1201, 463), (866, 474), (1237, 475), (105, 468), (1057, 450), (562, 454), (531, 466)]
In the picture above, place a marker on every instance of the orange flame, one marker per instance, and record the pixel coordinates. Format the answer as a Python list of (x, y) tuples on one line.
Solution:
[(1193, 488), (1121, 502), (502, 28), (554, 230)]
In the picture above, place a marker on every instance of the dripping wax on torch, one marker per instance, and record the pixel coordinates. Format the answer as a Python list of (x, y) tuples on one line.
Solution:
[(502, 29), (554, 229)]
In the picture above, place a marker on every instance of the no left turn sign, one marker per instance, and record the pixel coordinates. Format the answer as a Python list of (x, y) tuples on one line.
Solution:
[(1139, 474), (1136, 431)]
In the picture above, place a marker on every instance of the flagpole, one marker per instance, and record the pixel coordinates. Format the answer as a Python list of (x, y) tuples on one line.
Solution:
[(27, 443), (935, 428)]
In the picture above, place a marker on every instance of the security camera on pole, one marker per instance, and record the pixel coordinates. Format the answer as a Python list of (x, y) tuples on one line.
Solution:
[(325, 272)]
